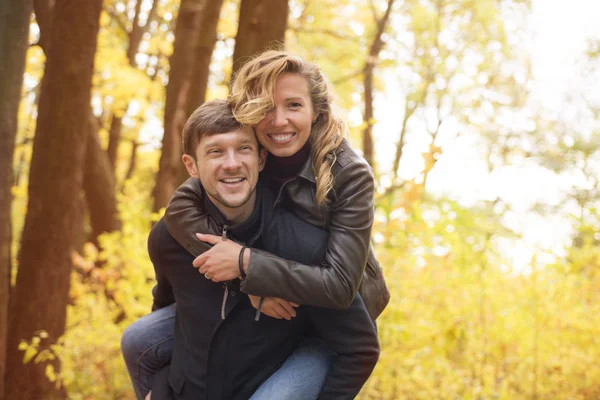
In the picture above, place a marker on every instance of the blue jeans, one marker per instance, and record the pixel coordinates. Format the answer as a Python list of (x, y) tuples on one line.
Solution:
[(147, 345)]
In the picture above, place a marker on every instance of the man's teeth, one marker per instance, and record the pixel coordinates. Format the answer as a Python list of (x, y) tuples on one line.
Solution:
[(282, 137), (232, 180)]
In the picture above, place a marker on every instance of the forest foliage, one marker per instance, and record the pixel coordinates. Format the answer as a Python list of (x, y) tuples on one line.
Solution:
[(463, 322)]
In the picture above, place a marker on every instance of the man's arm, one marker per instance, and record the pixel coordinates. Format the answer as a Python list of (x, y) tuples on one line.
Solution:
[(162, 291), (352, 335)]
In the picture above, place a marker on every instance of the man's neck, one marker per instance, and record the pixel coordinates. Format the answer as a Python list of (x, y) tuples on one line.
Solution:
[(236, 215)]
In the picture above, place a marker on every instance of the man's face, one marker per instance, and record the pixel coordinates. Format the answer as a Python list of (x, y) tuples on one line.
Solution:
[(227, 165)]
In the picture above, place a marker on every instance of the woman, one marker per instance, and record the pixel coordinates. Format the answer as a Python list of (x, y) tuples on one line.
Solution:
[(319, 177)]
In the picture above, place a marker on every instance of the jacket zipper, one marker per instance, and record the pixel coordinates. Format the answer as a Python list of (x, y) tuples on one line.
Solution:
[(225, 294), (225, 284), (278, 199), (224, 303)]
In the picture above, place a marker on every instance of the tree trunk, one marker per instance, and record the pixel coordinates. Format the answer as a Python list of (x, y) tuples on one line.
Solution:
[(14, 32), (207, 38), (135, 38), (261, 25), (132, 161), (99, 185), (102, 204), (195, 37), (43, 17), (114, 138), (56, 173), (368, 116)]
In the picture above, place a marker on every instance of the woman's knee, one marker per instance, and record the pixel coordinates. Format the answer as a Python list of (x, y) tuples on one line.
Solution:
[(131, 341), (148, 332)]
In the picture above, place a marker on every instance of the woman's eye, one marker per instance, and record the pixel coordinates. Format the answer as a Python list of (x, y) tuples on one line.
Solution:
[(295, 105)]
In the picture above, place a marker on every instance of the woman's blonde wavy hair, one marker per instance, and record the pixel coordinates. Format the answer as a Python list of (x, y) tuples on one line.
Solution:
[(251, 98)]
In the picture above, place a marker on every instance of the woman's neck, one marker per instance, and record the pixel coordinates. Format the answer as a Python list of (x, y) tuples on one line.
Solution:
[(282, 169)]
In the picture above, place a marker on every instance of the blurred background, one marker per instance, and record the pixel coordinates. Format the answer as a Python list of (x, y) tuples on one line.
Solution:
[(479, 118)]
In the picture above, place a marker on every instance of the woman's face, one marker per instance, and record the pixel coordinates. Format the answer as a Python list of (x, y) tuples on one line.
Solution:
[(285, 129)]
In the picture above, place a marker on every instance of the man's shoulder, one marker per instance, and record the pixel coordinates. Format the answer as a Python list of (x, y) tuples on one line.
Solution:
[(160, 240)]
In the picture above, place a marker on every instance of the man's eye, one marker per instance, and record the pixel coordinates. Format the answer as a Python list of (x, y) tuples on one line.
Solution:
[(214, 151), (246, 148)]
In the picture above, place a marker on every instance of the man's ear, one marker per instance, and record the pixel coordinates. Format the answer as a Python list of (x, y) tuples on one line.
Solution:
[(190, 165), (262, 158)]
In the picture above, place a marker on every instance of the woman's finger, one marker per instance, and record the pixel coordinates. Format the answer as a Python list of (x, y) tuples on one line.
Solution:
[(287, 306), (205, 237), (280, 310)]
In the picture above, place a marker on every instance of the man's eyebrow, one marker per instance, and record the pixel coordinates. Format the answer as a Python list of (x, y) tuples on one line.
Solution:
[(214, 143)]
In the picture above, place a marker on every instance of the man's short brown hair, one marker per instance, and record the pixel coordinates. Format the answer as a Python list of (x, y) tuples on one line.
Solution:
[(211, 118)]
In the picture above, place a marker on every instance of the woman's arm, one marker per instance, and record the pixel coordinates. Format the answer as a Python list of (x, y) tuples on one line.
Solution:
[(333, 283), (185, 215)]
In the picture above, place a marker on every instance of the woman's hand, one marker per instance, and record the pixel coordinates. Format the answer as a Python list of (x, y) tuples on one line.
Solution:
[(221, 262), (275, 307)]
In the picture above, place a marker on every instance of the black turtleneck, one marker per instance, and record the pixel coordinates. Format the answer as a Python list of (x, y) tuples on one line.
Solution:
[(281, 169)]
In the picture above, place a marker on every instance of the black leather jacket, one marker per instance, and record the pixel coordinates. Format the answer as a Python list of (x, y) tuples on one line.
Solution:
[(218, 344), (349, 265)]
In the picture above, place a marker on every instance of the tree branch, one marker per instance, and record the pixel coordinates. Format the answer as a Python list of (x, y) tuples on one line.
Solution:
[(323, 31), (348, 77), (117, 18)]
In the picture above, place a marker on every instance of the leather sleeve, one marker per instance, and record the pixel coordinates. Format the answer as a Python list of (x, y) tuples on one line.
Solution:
[(352, 335), (333, 283), (162, 292), (185, 216)]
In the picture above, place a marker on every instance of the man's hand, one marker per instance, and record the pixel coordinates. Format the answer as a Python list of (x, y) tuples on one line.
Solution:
[(221, 262), (275, 307)]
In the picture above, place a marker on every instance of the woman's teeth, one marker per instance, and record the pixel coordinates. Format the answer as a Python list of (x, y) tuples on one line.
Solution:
[(280, 138)]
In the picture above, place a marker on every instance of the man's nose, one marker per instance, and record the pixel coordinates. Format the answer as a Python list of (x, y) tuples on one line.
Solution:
[(232, 160)]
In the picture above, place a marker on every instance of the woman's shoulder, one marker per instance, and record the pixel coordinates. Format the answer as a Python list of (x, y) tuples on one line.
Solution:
[(348, 162)]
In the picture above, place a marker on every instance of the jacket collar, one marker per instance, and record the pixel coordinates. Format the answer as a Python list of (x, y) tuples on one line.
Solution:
[(306, 171)]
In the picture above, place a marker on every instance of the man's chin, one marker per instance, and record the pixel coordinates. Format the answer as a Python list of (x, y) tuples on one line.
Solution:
[(234, 201)]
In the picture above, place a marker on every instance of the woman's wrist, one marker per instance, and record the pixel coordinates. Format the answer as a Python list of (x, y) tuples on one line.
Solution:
[(246, 259), (241, 263)]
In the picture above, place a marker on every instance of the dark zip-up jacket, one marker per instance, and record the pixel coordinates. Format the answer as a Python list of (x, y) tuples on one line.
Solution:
[(216, 358), (349, 264)]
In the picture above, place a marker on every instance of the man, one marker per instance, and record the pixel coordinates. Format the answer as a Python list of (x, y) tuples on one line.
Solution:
[(222, 350)]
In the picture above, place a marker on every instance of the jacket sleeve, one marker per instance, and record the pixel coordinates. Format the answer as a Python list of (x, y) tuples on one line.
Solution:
[(162, 292), (185, 216), (333, 283), (352, 335)]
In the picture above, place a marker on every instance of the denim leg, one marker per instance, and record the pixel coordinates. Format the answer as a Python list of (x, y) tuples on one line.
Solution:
[(301, 376), (147, 345)]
